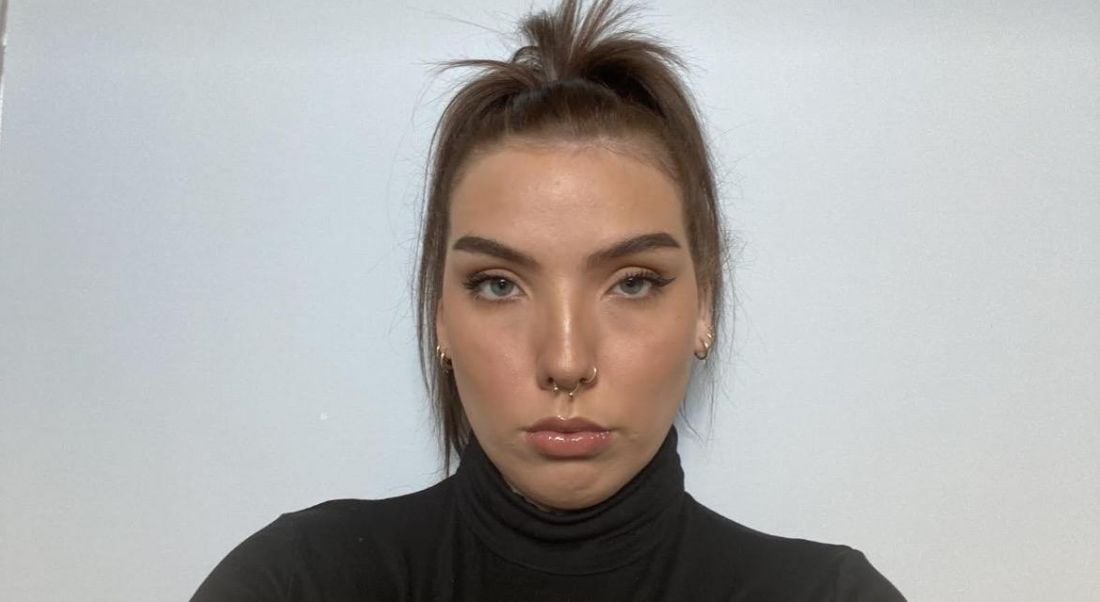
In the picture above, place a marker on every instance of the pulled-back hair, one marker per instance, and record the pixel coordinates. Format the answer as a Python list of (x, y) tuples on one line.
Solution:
[(580, 76)]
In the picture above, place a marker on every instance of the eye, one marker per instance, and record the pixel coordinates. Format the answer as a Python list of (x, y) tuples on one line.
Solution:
[(634, 286), (491, 288), (640, 285)]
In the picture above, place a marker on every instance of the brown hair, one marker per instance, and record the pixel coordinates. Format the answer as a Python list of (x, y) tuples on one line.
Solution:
[(580, 76)]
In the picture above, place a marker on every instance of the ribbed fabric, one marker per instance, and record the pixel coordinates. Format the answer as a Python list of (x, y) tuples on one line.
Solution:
[(471, 538), (609, 535)]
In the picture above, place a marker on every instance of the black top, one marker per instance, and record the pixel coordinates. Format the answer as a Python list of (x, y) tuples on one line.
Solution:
[(470, 537)]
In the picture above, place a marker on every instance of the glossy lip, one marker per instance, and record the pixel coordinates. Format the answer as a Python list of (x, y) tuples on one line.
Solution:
[(568, 439), (563, 425)]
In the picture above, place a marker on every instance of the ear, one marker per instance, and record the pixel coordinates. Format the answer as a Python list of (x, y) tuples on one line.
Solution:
[(440, 326), (704, 326)]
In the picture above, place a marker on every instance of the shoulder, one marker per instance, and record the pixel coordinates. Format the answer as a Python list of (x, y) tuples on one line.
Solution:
[(375, 519), (776, 567), (321, 544)]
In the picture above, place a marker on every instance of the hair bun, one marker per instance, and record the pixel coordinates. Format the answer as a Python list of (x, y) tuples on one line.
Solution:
[(569, 50)]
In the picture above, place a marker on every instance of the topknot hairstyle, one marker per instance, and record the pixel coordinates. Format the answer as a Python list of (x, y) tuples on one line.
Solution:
[(582, 76)]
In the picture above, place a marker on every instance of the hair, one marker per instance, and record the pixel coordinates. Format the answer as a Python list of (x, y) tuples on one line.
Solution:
[(579, 77)]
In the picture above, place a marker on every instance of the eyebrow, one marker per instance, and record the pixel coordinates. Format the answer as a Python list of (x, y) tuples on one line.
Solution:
[(630, 246)]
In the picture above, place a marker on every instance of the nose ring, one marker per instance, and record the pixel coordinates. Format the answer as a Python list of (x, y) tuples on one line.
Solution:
[(580, 383)]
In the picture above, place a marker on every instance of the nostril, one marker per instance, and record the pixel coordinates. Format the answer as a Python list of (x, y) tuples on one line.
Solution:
[(580, 383)]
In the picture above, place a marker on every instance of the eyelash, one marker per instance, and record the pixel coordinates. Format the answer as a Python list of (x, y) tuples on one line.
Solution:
[(656, 281)]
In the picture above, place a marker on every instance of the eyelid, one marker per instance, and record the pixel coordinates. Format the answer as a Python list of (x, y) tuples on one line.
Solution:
[(656, 281), (474, 281), (639, 272)]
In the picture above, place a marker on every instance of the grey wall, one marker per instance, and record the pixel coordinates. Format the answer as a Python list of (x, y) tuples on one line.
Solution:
[(207, 223)]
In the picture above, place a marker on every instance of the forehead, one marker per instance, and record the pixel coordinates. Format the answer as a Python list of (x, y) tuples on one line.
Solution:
[(574, 192)]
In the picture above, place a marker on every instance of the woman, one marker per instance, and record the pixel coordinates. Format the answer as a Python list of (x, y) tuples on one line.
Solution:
[(570, 286)]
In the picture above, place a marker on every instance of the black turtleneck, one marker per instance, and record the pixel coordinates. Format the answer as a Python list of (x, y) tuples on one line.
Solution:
[(471, 538)]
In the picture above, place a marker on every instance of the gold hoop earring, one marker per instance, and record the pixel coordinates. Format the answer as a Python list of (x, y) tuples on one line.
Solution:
[(444, 361), (706, 347)]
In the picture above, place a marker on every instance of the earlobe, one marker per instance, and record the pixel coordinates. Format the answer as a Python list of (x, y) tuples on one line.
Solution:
[(704, 333), (441, 347), (706, 342), (704, 326)]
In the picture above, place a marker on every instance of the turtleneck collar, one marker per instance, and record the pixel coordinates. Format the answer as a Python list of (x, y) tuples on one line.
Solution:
[(599, 538)]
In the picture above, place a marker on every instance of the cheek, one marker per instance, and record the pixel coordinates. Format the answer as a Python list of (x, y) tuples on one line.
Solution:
[(491, 365), (652, 351)]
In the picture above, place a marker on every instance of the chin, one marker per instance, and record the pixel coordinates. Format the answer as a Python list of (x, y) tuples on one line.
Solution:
[(569, 485)]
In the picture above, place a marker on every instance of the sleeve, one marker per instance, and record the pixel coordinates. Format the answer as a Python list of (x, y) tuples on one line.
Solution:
[(259, 569), (858, 581)]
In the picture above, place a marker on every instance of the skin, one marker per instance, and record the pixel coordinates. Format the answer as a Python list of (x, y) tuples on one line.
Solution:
[(512, 336)]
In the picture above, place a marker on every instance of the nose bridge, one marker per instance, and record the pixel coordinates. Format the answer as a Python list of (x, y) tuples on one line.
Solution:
[(565, 339)]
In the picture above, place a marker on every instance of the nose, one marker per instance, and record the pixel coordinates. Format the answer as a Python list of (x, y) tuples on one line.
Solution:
[(566, 341)]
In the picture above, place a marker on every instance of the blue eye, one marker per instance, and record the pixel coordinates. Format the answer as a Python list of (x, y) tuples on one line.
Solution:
[(635, 286), (492, 288), (498, 287), (641, 285)]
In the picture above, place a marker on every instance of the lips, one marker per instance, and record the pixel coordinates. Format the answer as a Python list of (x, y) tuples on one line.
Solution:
[(563, 425), (560, 438)]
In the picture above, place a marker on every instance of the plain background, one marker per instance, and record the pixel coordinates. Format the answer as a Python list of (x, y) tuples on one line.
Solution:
[(208, 222)]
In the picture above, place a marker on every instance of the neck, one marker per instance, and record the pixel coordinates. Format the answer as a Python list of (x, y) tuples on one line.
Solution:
[(589, 540), (516, 491)]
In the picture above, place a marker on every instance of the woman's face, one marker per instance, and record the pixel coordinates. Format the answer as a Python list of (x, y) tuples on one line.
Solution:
[(563, 260)]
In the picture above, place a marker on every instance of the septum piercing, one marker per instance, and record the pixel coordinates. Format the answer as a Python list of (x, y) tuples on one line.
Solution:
[(580, 383)]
